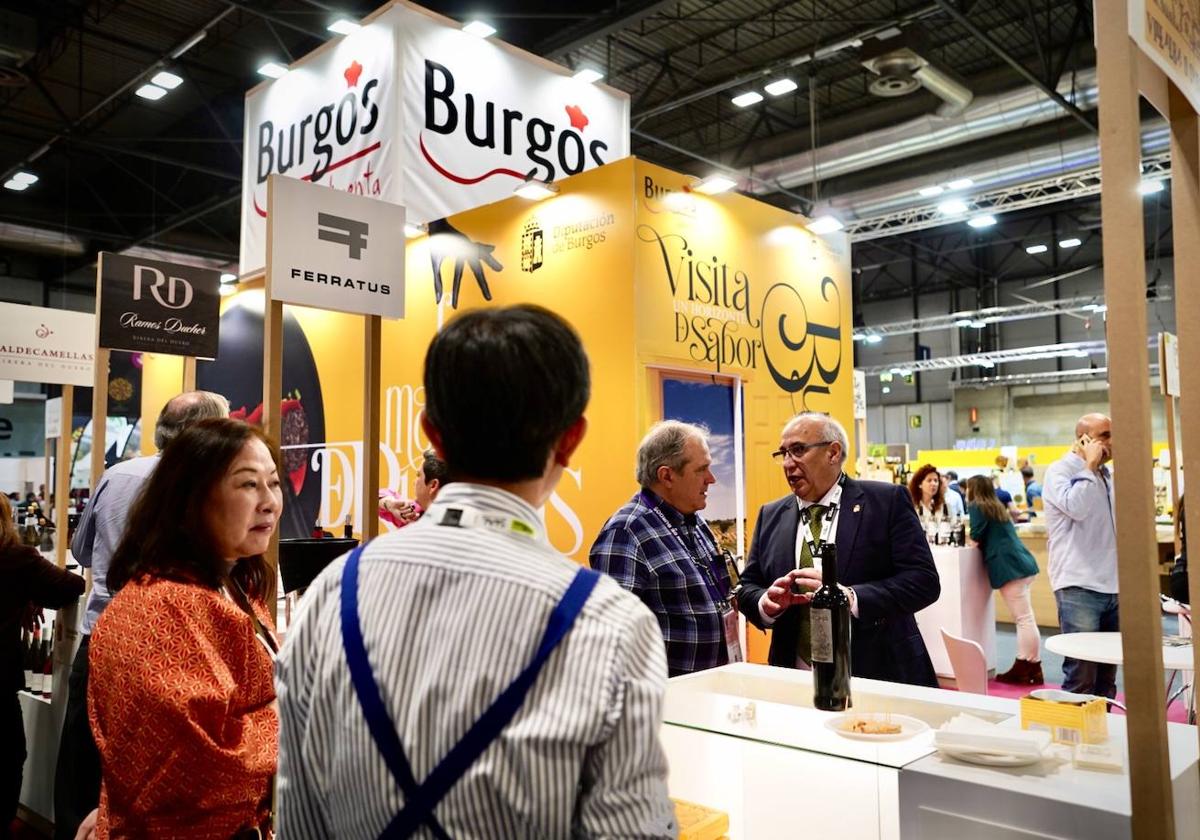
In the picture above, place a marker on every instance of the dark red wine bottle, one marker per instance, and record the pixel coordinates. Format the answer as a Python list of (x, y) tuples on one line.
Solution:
[(48, 671), (830, 622)]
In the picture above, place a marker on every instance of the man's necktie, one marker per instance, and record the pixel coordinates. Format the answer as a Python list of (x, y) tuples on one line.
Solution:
[(816, 518)]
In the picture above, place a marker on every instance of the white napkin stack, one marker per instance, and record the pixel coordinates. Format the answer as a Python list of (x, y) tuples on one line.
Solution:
[(966, 733)]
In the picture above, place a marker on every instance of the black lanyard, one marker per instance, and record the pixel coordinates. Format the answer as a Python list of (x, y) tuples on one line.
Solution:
[(691, 547)]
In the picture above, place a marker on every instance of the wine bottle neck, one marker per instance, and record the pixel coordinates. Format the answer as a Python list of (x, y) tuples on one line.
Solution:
[(829, 566)]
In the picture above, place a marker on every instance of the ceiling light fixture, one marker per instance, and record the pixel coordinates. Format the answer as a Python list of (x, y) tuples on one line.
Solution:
[(1150, 187), (1073, 242), (151, 92), (535, 190), (952, 207), (588, 75), (984, 363), (167, 79), (344, 26), (272, 70), (1035, 249), (715, 183), (479, 29), (886, 389), (960, 184), (874, 339), (750, 97), (23, 177), (228, 277), (15, 185), (780, 86), (930, 192), (963, 322), (227, 289), (413, 230), (982, 222), (979, 324), (825, 224)]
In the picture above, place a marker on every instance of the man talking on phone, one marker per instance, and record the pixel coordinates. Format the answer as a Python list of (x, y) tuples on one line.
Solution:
[(1081, 539)]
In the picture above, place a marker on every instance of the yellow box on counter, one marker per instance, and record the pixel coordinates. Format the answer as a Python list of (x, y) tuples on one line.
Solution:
[(698, 822), (1067, 723)]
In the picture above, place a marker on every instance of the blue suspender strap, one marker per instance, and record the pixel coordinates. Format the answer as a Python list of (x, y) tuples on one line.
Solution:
[(420, 801)]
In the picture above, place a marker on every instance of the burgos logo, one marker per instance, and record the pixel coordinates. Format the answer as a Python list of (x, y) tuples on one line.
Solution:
[(508, 131), (178, 291)]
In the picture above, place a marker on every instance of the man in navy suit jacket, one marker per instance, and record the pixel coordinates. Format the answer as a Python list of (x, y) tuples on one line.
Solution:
[(882, 556)]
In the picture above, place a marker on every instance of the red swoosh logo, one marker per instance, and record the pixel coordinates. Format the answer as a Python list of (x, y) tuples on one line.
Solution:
[(458, 179), (361, 153)]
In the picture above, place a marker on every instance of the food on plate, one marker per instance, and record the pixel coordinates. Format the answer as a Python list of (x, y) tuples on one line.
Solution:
[(870, 726)]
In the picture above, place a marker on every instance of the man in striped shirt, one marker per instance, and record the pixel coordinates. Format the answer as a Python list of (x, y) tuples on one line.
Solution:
[(450, 610)]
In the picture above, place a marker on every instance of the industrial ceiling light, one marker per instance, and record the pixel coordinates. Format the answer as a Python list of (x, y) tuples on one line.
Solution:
[(1096, 307), (227, 289), (984, 363), (15, 185), (588, 75), (272, 70), (873, 339), (343, 26), (23, 177), (1072, 242), (715, 183), (960, 184), (930, 192), (825, 224), (1150, 187), (952, 207), (1035, 249), (978, 324), (151, 92), (886, 389), (535, 190), (479, 29), (167, 79), (413, 230), (963, 322), (228, 277), (984, 221), (780, 87), (750, 97)]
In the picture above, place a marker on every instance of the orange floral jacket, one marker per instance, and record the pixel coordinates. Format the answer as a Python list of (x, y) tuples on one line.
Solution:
[(182, 704)]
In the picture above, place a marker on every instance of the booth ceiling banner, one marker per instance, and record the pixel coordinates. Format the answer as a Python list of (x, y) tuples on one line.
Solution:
[(334, 250), (54, 346), (149, 306), (412, 110), (1165, 30)]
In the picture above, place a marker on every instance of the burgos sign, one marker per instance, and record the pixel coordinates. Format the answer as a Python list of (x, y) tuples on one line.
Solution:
[(411, 110), (158, 307)]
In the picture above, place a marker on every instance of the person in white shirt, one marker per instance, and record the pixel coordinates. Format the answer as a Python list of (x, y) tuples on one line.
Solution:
[(1081, 539), (954, 502), (439, 683)]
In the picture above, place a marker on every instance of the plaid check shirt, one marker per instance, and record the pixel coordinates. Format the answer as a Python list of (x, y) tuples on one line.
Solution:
[(649, 555)]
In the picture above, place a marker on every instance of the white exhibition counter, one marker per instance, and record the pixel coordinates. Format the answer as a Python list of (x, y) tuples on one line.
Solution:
[(965, 608), (745, 739)]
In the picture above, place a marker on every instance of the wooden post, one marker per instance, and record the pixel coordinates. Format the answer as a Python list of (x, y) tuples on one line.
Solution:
[(1128, 373), (189, 373), (372, 348), (1185, 216), (272, 391), (62, 477), (99, 414)]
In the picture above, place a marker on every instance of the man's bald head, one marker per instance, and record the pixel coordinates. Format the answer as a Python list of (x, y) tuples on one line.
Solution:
[(1092, 425), (185, 409)]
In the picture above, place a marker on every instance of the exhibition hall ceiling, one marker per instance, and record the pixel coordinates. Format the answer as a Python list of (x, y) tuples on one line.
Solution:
[(895, 95)]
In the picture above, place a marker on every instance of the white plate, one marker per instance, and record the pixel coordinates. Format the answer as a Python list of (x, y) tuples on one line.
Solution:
[(909, 726), (990, 759)]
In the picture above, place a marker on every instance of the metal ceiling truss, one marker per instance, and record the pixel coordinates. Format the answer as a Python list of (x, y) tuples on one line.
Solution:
[(1036, 193), (991, 358), (980, 318), (1045, 377)]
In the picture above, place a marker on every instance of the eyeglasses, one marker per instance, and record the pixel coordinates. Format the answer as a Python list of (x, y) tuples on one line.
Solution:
[(797, 450)]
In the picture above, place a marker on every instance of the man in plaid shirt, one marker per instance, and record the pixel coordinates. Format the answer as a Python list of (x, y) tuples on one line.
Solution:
[(660, 549)]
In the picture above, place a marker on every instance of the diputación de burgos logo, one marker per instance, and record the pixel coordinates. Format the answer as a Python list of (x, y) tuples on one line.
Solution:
[(326, 139), (535, 145)]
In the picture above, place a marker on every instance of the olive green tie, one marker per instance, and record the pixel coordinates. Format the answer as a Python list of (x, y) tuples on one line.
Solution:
[(816, 518)]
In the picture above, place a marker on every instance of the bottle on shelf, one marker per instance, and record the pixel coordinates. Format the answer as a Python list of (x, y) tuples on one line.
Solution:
[(33, 665), (829, 619), (944, 530), (26, 659), (47, 682), (348, 529)]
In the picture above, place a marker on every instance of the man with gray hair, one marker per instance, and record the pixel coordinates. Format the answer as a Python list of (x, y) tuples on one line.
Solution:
[(883, 559), (659, 548), (77, 776)]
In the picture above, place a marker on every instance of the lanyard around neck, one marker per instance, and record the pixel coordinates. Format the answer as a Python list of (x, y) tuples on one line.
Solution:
[(691, 547), (816, 544)]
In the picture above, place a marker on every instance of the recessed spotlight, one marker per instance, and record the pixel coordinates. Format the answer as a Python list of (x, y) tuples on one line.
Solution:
[(344, 26), (535, 190), (874, 339), (588, 75), (750, 97), (713, 184), (825, 224), (1073, 242), (1035, 249), (167, 79), (272, 70), (930, 192), (24, 177), (960, 183), (982, 221), (780, 87), (1150, 187), (413, 230), (479, 29), (952, 207), (151, 92), (15, 185)]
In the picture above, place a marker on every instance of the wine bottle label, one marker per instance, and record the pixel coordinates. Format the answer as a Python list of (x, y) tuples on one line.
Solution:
[(821, 622)]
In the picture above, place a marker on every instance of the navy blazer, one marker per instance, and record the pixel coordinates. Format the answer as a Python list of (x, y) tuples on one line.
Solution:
[(882, 553)]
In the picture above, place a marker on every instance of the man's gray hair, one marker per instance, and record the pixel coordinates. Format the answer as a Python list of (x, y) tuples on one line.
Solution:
[(831, 429), (663, 447), (184, 410)]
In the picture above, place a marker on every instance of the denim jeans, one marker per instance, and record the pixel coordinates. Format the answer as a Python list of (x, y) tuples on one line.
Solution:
[(1084, 611)]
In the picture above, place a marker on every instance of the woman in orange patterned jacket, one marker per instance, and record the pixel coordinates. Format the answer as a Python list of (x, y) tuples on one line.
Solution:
[(181, 698)]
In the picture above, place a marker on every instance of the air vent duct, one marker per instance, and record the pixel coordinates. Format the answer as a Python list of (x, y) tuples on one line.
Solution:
[(902, 64)]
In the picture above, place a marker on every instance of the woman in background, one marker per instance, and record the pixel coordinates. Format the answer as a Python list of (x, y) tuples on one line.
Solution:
[(928, 497), (28, 582), (181, 696), (1011, 569)]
